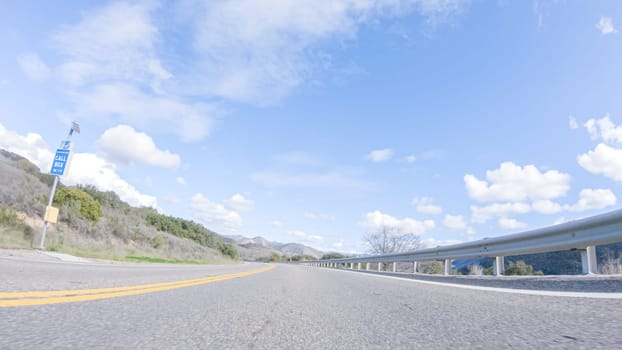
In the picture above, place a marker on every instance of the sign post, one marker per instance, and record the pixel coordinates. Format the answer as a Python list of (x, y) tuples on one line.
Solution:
[(59, 168)]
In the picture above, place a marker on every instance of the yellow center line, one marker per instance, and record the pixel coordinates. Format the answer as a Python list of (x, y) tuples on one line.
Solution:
[(68, 296)]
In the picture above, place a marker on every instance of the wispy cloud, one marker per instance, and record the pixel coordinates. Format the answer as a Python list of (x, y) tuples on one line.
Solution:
[(380, 155), (425, 205), (605, 26), (259, 52), (215, 215), (33, 66)]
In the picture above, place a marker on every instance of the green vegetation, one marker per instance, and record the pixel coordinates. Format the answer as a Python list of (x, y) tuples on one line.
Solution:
[(272, 258), (520, 268), (162, 260), (298, 257), (11, 222), (107, 199), (81, 201), (95, 224), (430, 267), (191, 230), (228, 250), (32, 169), (332, 256)]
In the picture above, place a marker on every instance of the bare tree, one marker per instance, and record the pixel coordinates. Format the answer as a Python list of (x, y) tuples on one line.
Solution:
[(392, 240)]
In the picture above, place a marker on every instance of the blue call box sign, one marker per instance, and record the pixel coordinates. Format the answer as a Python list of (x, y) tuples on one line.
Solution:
[(59, 166)]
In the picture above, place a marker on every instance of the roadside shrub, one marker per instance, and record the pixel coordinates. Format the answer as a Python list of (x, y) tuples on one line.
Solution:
[(520, 268), (431, 267), (81, 201), (158, 241), (228, 250), (184, 229), (8, 216)]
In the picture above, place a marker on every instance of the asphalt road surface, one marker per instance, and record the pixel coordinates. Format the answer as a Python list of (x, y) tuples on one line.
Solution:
[(286, 307)]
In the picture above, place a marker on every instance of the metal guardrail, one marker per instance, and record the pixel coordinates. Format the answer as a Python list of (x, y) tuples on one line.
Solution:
[(583, 235)]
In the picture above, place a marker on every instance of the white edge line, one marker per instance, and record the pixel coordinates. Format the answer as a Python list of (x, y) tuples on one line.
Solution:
[(548, 293)]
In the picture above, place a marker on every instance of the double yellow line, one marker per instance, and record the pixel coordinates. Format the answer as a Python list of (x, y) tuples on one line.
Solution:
[(12, 299)]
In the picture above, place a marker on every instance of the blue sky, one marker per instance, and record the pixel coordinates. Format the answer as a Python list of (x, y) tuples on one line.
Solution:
[(319, 121)]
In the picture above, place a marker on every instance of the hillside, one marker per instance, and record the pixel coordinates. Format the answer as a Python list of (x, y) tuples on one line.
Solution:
[(111, 228), (94, 223), (258, 247)]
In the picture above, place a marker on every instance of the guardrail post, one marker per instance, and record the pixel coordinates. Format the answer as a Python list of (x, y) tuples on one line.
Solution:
[(414, 267), (395, 266), (499, 266), (379, 266), (447, 269), (588, 260)]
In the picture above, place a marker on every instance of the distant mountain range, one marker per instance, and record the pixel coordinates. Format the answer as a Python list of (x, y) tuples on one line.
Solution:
[(253, 248)]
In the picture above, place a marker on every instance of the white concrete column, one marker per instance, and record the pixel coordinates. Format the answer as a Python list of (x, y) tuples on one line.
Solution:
[(379, 266), (588, 260), (499, 266), (351, 266), (395, 266), (414, 267), (367, 266), (447, 269), (359, 266)]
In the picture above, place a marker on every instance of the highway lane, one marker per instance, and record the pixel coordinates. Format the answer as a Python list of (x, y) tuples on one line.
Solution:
[(297, 307)]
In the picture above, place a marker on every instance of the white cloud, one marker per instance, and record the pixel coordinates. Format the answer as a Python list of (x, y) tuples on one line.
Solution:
[(115, 42), (305, 237), (507, 224), (214, 215), (277, 223), (604, 129), (180, 180), (33, 66), (457, 222), (122, 144), (88, 168), (338, 244), (560, 220), (32, 147), (411, 158), (590, 199), (545, 206), (605, 25), (85, 168), (515, 183), (603, 160), (433, 243), (572, 122), (425, 206), (316, 216), (376, 220), (259, 51), (484, 214), (237, 202), (127, 103), (380, 155)]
